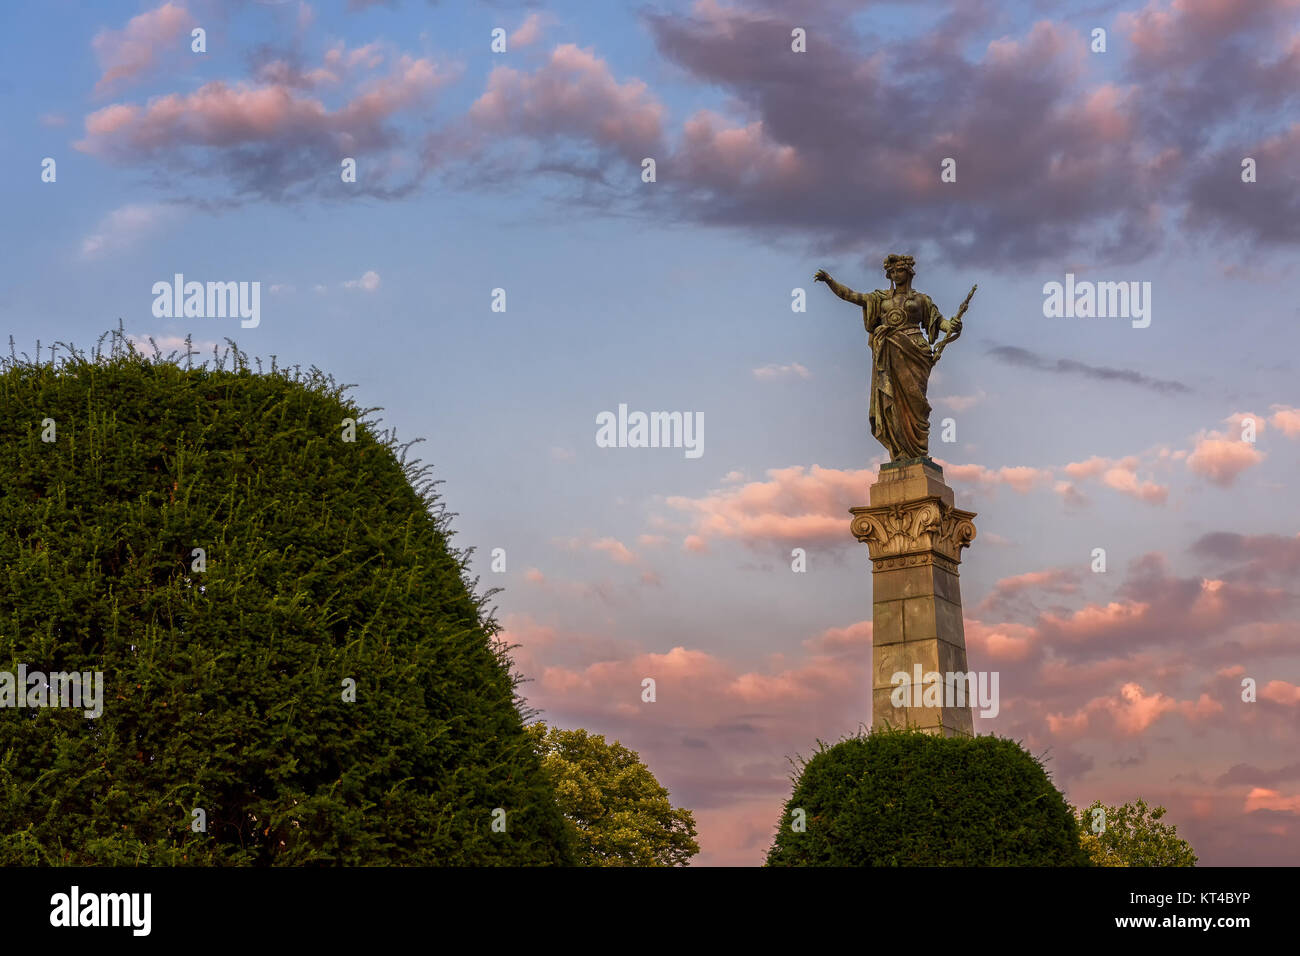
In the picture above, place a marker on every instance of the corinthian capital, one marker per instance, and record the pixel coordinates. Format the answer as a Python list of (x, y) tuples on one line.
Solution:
[(923, 527)]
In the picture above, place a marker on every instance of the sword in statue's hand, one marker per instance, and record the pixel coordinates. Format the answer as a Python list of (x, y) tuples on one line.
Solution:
[(954, 326)]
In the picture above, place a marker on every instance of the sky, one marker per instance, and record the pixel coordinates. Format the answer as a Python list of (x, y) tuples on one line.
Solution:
[(503, 270)]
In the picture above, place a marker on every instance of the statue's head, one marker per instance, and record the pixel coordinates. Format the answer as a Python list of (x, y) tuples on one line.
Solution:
[(899, 268)]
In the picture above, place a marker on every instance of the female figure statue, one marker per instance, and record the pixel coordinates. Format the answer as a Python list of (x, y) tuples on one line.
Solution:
[(903, 328)]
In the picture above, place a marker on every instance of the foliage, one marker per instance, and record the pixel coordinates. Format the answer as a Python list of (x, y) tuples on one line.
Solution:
[(326, 560), (1132, 835), (619, 813), (908, 798)]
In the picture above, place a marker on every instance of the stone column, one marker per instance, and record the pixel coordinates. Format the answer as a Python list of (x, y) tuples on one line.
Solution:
[(915, 536)]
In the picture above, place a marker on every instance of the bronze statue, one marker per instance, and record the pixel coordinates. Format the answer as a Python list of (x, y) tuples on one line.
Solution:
[(903, 327)]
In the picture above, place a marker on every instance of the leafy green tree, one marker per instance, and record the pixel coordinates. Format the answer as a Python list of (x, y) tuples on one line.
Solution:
[(618, 812), (326, 560), (1131, 835)]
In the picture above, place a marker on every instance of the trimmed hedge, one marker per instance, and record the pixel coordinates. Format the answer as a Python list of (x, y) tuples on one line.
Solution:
[(325, 560), (906, 798)]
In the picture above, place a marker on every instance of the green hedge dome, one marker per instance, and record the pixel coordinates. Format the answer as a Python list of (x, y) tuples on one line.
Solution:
[(907, 798), (224, 685)]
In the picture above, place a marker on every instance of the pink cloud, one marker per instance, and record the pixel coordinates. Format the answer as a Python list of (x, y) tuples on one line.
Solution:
[(1131, 712), (1286, 420), (1237, 420), (530, 31), (1126, 481), (1054, 580), (573, 94), (1001, 642), (1221, 461), (1020, 478), (245, 131), (714, 150), (1091, 468), (1261, 798), (1094, 620), (128, 54), (795, 505), (1280, 692), (618, 551), (217, 115)]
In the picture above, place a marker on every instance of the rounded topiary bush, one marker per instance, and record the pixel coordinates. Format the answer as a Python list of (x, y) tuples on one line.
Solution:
[(907, 798), (225, 672)]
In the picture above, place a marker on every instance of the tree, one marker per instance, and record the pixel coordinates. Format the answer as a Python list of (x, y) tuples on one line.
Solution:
[(1131, 835), (618, 812), (907, 798), (324, 685)]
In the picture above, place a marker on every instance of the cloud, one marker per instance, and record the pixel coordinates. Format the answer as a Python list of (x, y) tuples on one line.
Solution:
[(1280, 692), (272, 140), (716, 153), (338, 64), (1020, 478), (1119, 474), (128, 55), (1131, 712), (794, 505), (125, 226), (1125, 480), (1256, 557), (769, 373), (1138, 130), (617, 551), (530, 31), (1261, 798), (1052, 580), (368, 282), (1071, 496), (789, 144), (1246, 774), (1221, 461), (574, 94), (1023, 358), (1286, 420), (961, 403)]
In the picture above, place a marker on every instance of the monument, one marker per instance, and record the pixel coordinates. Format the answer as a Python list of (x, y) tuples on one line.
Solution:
[(913, 532)]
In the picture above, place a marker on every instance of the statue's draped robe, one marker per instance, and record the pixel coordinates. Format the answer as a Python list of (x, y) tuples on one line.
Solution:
[(900, 370)]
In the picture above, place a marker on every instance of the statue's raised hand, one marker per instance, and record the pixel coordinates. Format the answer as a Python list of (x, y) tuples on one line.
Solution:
[(821, 276)]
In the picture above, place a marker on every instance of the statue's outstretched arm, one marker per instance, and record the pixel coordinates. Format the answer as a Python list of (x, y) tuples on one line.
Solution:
[(843, 291)]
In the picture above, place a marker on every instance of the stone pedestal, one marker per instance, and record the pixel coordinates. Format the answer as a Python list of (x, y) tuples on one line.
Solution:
[(915, 537)]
